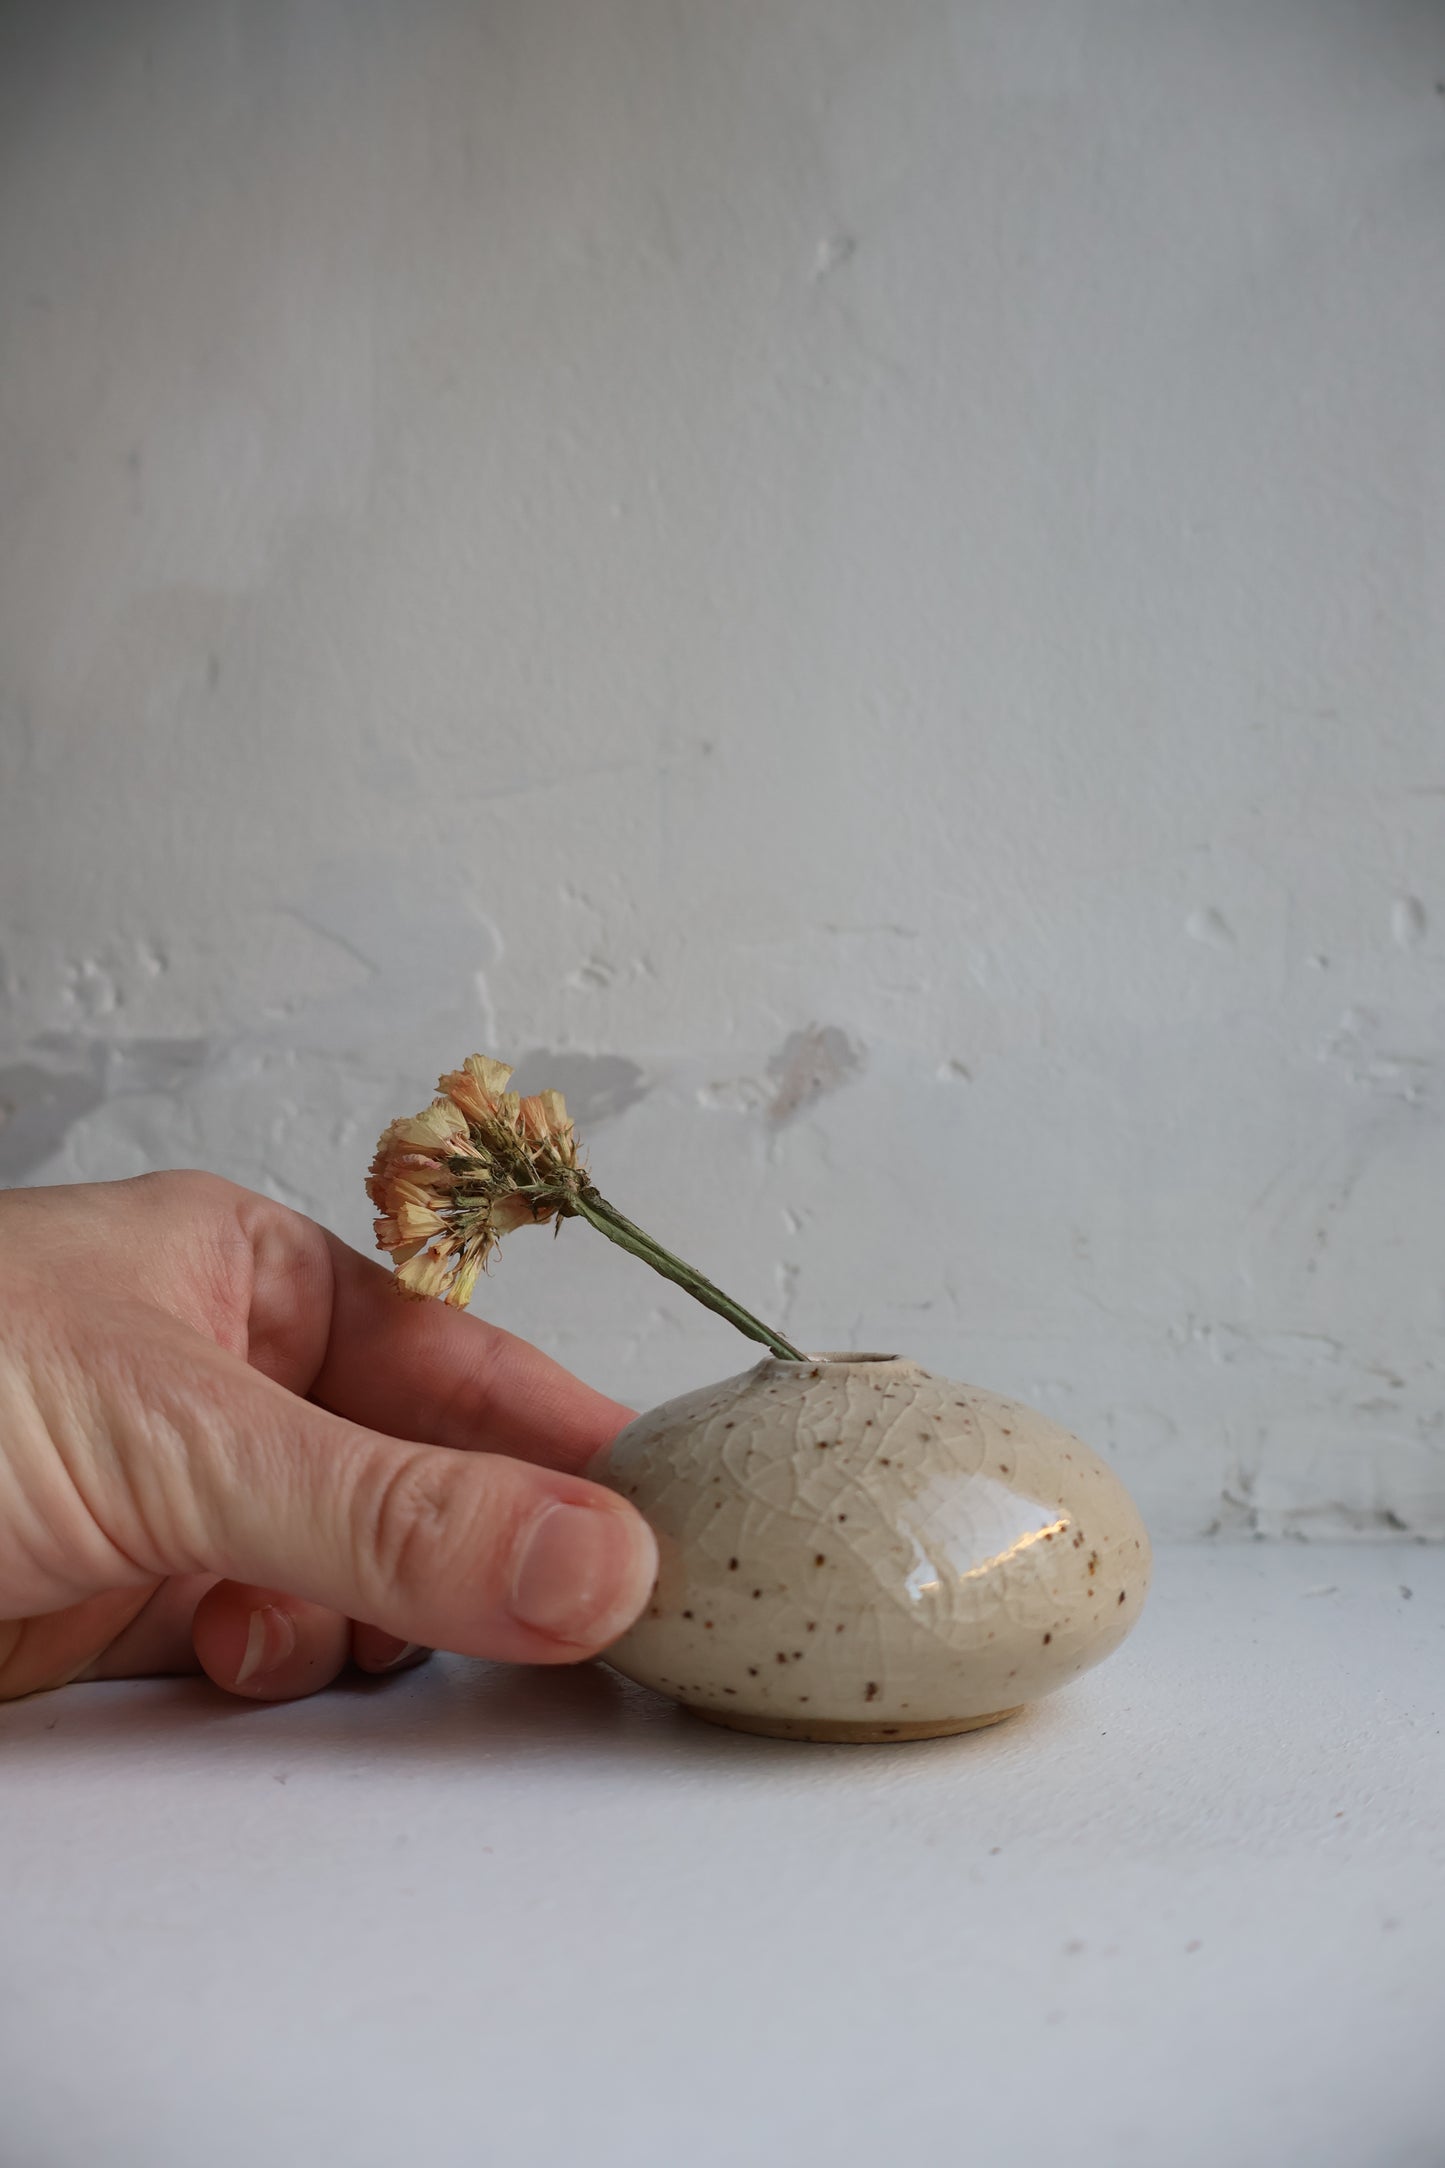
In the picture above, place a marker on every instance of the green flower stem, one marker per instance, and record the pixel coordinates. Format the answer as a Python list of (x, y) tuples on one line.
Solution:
[(608, 1221)]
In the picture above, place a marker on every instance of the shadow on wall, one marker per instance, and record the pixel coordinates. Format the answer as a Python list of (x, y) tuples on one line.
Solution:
[(595, 1086), (40, 1106)]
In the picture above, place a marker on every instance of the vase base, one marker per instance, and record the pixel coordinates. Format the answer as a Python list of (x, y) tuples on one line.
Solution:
[(846, 1731)]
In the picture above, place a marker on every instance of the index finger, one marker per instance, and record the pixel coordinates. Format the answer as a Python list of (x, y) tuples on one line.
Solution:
[(421, 1370)]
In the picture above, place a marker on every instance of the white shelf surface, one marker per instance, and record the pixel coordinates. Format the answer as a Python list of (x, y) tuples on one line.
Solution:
[(1190, 1911)]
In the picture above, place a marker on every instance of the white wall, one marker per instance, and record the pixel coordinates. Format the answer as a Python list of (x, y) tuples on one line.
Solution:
[(864, 576)]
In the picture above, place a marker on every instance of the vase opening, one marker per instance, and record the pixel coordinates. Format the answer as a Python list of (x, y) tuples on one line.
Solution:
[(833, 1357)]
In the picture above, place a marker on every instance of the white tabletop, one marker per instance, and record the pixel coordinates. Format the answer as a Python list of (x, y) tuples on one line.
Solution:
[(1191, 1911)]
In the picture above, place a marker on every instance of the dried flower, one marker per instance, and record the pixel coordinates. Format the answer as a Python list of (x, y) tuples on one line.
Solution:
[(449, 1182)]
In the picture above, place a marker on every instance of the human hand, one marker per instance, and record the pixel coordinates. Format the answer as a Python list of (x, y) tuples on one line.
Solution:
[(227, 1444)]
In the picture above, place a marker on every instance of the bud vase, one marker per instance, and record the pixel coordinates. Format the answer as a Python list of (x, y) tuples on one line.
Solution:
[(855, 1549)]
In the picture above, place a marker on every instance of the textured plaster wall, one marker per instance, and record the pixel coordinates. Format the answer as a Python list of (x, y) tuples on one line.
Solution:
[(861, 584)]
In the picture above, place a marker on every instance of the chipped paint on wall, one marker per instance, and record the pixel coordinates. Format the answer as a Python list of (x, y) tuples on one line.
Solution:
[(810, 1063)]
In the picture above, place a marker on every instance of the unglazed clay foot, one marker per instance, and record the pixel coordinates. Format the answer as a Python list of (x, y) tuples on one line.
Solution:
[(845, 1734), (855, 1549)]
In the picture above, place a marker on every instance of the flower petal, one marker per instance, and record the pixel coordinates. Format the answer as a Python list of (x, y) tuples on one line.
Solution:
[(425, 1275), (476, 1086), (437, 1128)]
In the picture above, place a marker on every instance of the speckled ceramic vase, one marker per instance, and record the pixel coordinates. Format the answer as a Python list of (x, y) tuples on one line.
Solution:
[(854, 1549)]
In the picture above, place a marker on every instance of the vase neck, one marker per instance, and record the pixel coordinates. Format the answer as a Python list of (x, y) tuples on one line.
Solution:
[(840, 1363)]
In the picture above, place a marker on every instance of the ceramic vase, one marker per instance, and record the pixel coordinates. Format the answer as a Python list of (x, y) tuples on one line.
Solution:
[(854, 1549)]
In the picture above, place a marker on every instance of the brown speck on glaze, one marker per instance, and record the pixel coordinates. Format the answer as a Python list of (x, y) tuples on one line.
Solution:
[(812, 1625), (732, 1565), (757, 1592), (687, 1614), (820, 1558), (1047, 1639), (870, 1692), (752, 1671), (707, 1625), (1122, 1594)]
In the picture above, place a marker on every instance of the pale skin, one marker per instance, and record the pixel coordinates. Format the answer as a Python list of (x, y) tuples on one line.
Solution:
[(227, 1444)]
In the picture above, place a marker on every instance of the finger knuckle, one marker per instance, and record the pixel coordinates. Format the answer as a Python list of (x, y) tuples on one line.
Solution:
[(432, 1517), (189, 1190)]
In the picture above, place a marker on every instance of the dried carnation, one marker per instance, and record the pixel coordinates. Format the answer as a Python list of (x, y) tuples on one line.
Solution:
[(449, 1182), (479, 1161)]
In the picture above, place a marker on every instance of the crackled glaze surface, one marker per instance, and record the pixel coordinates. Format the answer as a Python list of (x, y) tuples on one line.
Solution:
[(853, 1548)]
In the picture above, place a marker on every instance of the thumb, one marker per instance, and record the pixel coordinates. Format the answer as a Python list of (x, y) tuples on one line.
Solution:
[(471, 1552)]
